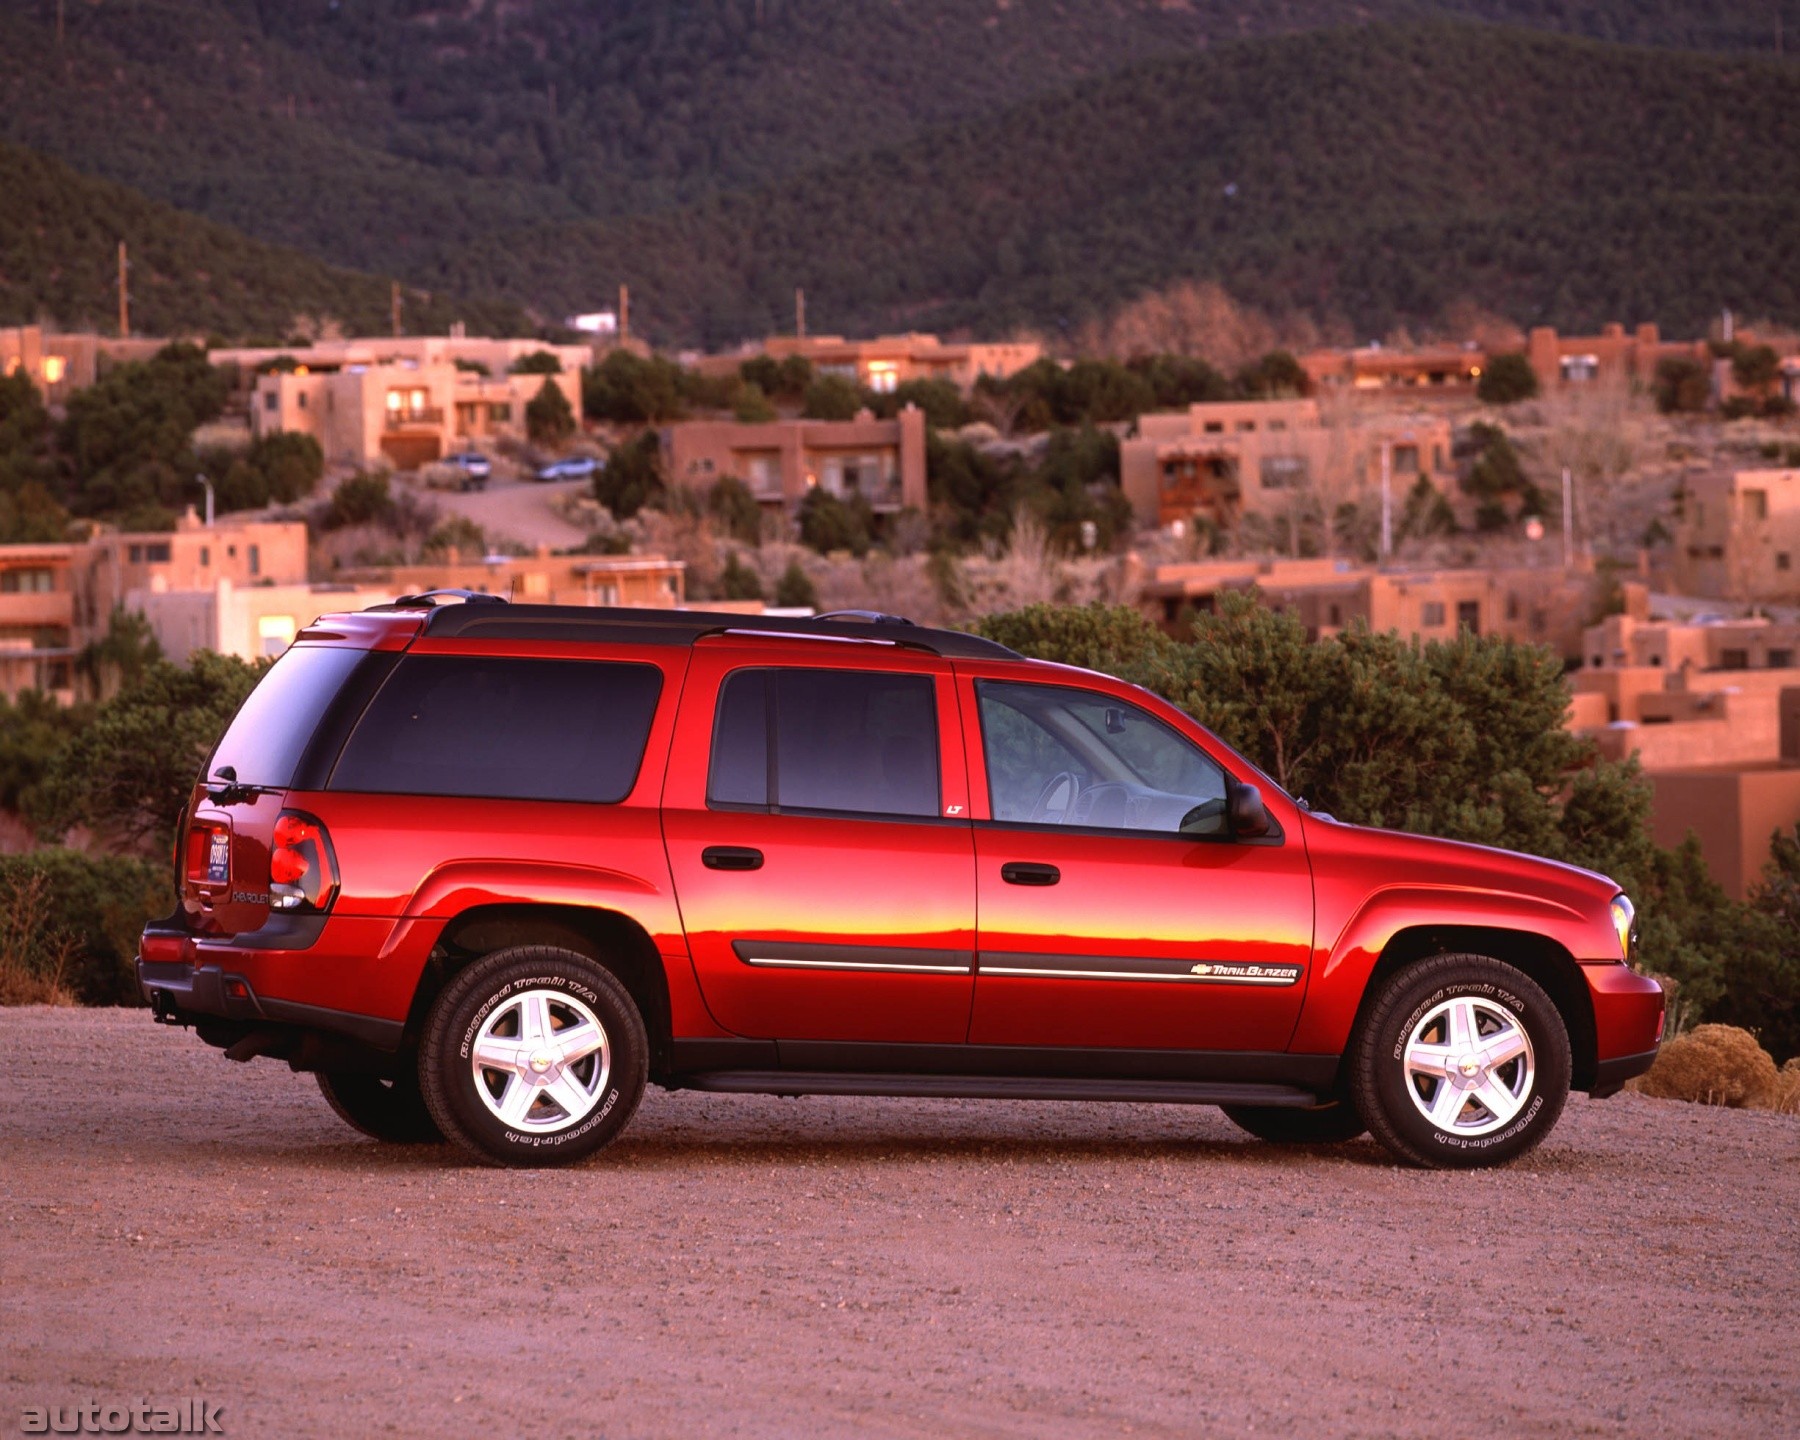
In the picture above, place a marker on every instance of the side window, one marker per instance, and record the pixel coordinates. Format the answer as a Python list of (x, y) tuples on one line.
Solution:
[(1057, 756), (491, 727), (844, 741)]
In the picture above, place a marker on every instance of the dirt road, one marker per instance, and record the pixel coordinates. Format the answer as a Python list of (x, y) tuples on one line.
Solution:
[(178, 1225)]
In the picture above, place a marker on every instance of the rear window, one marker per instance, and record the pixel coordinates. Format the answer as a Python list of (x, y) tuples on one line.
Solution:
[(490, 727), (268, 735)]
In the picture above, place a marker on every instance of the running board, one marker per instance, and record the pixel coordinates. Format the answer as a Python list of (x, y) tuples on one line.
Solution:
[(997, 1087)]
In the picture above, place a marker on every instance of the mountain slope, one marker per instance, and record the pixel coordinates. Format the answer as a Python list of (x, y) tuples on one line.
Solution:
[(59, 233), (387, 133), (1375, 174)]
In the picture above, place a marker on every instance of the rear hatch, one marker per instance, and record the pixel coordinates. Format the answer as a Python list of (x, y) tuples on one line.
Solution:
[(242, 852)]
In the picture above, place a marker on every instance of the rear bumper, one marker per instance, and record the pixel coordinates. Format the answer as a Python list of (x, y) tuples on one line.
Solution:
[(258, 980), (185, 994)]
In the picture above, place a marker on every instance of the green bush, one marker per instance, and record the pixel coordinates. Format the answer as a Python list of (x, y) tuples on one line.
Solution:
[(538, 362), (628, 389), (362, 499), (1506, 380), (632, 476), (795, 589), (1682, 385), (737, 581), (735, 508), (98, 905), (828, 523), (833, 397), (548, 417)]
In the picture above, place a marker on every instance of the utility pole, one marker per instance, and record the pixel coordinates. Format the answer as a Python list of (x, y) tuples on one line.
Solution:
[(124, 294), (1387, 499), (395, 305), (59, 28), (624, 313), (209, 499), (799, 312), (1568, 519)]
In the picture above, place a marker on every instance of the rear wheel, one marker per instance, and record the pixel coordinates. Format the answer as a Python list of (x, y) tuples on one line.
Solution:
[(1462, 1061), (387, 1109), (533, 1056), (1327, 1125)]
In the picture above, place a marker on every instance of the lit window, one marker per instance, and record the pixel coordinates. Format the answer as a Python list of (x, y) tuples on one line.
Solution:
[(274, 633), (55, 367), (884, 376)]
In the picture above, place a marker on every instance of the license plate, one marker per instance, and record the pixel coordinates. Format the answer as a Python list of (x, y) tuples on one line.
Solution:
[(218, 858)]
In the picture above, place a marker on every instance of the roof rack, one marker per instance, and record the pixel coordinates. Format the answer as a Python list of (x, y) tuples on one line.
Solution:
[(625, 626), (428, 599)]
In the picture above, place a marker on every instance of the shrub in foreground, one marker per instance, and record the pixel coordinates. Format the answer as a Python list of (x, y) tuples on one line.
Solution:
[(1713, 1065)]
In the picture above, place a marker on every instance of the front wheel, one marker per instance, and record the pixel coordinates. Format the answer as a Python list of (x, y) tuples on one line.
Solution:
[(533, 1056), (1462, 1061)]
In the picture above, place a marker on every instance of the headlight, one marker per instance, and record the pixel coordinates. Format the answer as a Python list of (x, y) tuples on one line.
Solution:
[(1624, 920)]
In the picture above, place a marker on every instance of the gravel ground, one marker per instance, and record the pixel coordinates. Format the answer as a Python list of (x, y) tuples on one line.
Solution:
[(176, 1224)]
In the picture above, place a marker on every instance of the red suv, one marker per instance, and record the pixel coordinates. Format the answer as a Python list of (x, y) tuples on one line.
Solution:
[(486, 869)]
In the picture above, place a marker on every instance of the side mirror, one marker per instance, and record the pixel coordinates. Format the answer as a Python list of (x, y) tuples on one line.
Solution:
[(1248, 817)]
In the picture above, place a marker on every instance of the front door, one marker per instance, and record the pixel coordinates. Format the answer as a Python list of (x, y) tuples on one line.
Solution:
[(1116, 911), (819, 838)]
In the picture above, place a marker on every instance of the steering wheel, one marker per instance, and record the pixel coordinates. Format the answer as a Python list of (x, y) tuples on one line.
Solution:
[(1043, 809)]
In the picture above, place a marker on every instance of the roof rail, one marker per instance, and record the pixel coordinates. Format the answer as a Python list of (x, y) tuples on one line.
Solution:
[(621, 625), (428, 599), (869, 617)]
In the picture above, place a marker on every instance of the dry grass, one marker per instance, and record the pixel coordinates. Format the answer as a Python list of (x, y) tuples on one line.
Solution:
[(1720, 1065), (34, 952)]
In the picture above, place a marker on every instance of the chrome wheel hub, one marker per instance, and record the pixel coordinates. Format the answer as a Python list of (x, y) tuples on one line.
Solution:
[(1469, 1066), (541, 1061)]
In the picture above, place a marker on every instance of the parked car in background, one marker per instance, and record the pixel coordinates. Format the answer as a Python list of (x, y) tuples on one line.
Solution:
[(475, 468), (487, 869), (576, 467)]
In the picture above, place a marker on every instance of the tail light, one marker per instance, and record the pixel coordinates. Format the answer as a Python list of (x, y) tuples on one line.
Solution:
[(302, 869)]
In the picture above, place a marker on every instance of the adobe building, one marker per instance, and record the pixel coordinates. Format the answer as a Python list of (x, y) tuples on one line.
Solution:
[(781, 461), (1712, 712), (1226, 459), (1738, 537), (403, 402), (651, 581), (886, 362), (1539, 606), (60, 364), (37, 620), (1450, 369), (57, 599)]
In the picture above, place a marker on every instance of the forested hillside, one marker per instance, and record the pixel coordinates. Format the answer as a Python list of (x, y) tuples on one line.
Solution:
[(988, 162), (59, 236), (383, 133), (1377, 175)]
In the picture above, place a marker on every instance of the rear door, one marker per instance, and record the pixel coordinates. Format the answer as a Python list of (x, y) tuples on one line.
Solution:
[(816, 816)]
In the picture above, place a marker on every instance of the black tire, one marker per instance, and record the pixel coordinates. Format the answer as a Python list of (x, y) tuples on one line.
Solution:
[(385, 1109), (1327, 1125), (1392, 1083), (570, 1109)]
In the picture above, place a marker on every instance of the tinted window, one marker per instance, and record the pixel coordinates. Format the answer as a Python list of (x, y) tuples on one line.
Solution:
[(267, 736), (1057, 756), (852, 742), (514, 729)]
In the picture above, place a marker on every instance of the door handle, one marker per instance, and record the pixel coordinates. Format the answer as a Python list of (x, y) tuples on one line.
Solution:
[(731, 857), (1025, 872)]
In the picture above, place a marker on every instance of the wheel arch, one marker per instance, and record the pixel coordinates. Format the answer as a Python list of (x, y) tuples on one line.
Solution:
[(1537, 956), (607, 937)]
